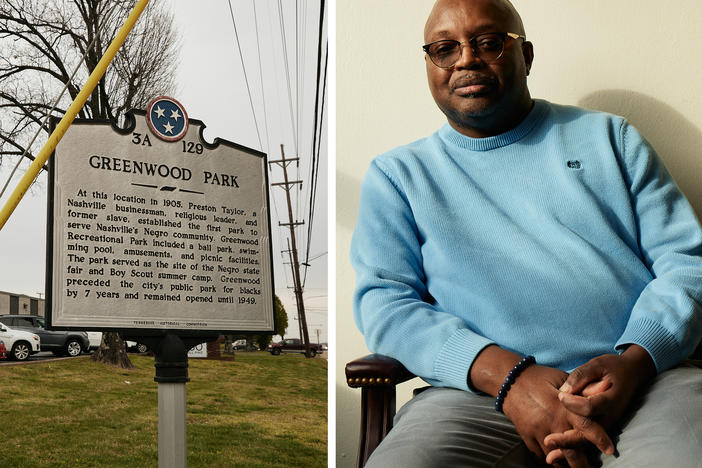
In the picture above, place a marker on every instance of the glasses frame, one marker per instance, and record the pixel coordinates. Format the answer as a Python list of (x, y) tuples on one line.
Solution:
[(472, 43)]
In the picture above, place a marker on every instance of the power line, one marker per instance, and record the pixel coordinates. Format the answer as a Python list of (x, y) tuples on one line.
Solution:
[(316, 256), (297, 73), (299, 105), (317, 130), (287, 79), (268, 134), (246, 79), (287, 72), (260, 76)]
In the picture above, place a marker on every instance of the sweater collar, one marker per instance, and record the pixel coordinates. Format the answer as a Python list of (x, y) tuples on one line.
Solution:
[(534, 117)]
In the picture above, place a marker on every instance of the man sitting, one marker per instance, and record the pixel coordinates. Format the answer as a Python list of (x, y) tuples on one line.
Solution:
[(524, 228)]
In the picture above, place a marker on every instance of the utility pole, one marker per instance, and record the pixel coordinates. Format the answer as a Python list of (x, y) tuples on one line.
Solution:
[(292, 267), (286, 184)]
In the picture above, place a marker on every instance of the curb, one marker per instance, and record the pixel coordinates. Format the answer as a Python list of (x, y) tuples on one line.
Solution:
[(19, 363)]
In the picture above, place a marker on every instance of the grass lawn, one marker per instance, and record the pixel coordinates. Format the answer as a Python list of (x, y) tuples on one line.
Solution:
[(256, 411)]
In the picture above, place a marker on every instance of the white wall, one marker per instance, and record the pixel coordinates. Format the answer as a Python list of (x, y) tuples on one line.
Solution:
[(637, 58)]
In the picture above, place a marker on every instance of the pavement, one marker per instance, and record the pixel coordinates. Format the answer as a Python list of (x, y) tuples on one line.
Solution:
[(41, 356)]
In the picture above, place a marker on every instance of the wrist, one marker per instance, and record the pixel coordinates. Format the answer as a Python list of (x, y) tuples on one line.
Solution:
[(489, 369), (511, 378), (639, 364)]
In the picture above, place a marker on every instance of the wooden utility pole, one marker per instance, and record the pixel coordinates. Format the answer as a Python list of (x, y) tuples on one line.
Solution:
[(286, 184), (292, 267)]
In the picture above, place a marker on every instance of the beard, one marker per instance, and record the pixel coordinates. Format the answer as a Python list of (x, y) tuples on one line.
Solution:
[(490, 117)]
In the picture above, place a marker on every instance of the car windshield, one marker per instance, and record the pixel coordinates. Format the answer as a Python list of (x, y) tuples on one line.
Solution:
[(40, 323)]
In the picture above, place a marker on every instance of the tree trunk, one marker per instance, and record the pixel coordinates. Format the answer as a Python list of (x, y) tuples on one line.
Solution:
[(213, 349), (228, 344), (113, 351)]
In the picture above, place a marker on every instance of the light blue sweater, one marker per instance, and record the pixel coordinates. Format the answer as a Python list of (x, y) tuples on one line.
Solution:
[(564, 238)]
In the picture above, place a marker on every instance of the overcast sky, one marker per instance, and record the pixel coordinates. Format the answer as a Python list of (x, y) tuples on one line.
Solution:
[(211, 85)]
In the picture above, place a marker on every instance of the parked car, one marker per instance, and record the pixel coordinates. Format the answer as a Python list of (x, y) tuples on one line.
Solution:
[(21, 344), (132, 346), (292, 345), (3, 350), (323, 347), (94, 340), (70, 343), (244, 345)]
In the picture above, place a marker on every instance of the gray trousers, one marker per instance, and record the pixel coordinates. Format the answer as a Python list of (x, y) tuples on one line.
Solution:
[(444, 427)]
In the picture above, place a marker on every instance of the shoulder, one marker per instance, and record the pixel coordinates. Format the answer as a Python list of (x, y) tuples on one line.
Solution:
[(409, 159), (576, 124), (567, 114)]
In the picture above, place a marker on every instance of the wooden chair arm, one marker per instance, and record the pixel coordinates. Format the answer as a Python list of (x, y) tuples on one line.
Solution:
[(376, 370), (377, 376)]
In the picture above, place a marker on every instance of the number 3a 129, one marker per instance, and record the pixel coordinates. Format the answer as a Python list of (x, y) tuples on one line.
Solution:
[(190, 147)]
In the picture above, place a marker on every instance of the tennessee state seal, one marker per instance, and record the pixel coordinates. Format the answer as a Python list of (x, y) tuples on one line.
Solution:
[(167, 118)]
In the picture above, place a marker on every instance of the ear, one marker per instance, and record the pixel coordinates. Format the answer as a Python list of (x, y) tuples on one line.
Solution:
[(528, 54)]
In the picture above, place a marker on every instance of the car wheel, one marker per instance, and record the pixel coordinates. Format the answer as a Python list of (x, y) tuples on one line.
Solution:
[(142, 348), (73, 348), (21, 351), (275, 352), (313, 352)]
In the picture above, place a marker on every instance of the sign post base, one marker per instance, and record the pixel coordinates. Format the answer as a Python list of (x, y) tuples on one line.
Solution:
[(171, 363), (172, 447)]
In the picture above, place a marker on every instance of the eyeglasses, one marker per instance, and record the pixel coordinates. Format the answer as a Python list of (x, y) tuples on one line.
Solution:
[(488, 47)]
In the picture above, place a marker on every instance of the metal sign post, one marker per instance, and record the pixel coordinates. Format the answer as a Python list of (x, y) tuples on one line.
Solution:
[(171, 363), (161, 236), (172, 448)]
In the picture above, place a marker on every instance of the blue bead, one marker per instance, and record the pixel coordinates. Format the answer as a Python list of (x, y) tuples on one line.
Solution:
[(509, 380)]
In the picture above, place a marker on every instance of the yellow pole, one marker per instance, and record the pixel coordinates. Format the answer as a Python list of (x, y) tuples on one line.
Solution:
[(70, 114)]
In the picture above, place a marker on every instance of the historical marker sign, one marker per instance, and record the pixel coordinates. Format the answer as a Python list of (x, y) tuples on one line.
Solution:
[(151, 228)]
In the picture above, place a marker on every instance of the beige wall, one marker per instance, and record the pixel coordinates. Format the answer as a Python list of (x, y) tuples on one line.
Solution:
[(24, 303), (637, 58)]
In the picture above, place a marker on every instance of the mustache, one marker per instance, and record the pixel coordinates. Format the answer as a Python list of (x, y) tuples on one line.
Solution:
[(473, 79)]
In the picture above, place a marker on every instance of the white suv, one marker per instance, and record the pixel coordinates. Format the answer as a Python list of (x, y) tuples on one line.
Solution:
[(20, 344)]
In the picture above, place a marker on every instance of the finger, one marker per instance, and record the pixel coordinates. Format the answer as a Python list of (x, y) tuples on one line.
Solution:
[(576, 458), (588, 407), (568, 439), (581, 377), (534, 446), (588, 431), (555, 456), (598, 386), (593, 432)]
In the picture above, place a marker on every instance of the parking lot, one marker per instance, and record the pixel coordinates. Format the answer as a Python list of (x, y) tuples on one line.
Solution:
[(38, 357)]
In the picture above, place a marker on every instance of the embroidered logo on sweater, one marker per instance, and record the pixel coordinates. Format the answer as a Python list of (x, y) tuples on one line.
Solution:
[(575, 164)]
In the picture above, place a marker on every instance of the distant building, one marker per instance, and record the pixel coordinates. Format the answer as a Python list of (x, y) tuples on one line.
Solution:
[(20, 304)]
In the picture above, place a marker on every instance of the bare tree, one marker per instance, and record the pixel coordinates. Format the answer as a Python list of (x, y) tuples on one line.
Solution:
[(42, 41)]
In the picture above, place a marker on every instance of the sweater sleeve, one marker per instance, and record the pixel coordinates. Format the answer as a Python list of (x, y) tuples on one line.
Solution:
[(392, 306), (666, 319)]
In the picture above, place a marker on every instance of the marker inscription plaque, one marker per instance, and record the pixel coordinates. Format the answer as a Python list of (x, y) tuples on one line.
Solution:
[(152, 228)]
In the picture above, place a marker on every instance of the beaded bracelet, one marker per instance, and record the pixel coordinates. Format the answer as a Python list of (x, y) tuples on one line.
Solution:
[(511, 377)]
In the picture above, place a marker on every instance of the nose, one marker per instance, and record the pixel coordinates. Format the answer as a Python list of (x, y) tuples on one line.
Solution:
[(467, 58)]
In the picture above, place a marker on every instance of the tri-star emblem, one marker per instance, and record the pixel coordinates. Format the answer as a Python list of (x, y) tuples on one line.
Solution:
[(167, 118)]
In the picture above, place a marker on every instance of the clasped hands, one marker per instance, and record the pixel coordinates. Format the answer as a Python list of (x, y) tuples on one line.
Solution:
[(558, 414)]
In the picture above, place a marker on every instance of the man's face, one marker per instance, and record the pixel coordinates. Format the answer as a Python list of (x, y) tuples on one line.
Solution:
[(473, 94)]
